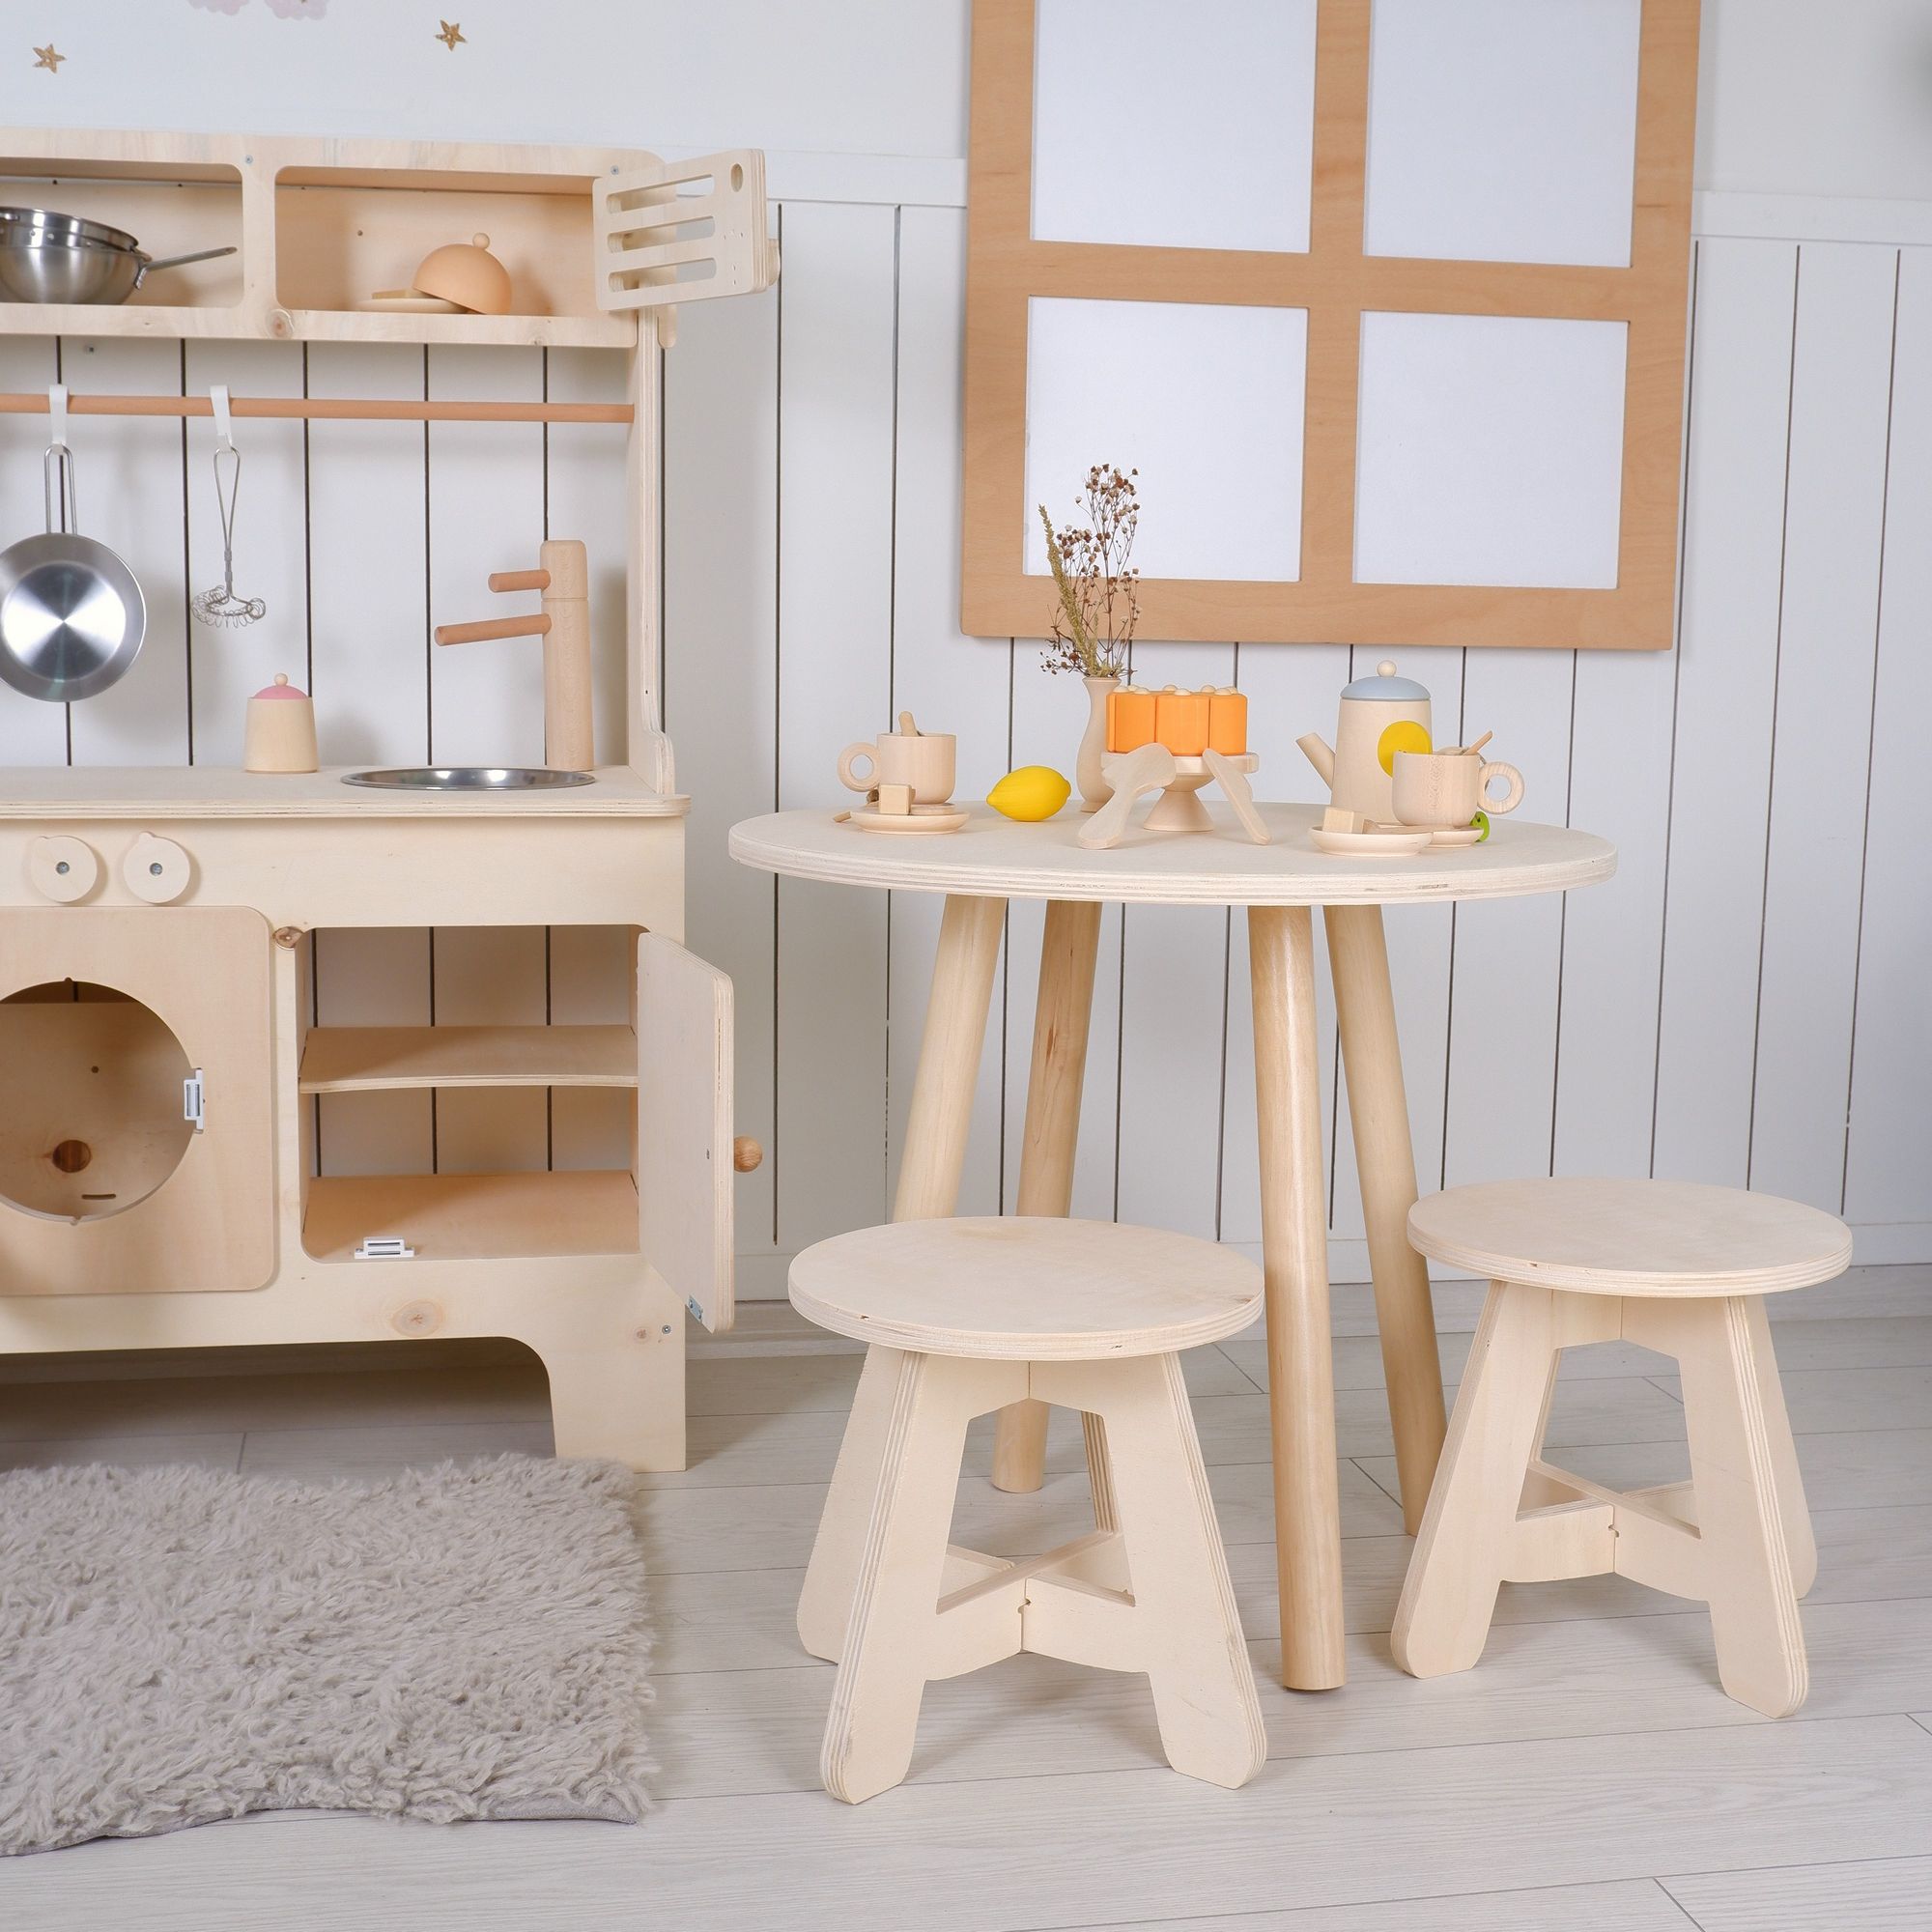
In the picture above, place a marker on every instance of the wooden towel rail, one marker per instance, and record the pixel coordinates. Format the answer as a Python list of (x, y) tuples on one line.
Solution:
[(323, 408)]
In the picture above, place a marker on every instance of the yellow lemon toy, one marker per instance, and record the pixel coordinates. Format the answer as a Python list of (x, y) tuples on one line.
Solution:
[(1033, 792), (1406, 735)]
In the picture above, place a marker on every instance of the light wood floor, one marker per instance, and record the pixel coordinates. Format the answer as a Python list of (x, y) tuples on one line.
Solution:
[(1588, 1776)]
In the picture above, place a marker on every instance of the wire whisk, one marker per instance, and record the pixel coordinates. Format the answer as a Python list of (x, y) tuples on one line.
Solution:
[(223, 610)]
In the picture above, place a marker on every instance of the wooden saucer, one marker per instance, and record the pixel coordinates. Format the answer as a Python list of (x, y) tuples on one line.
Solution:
[(1369, 845), (921, 818)]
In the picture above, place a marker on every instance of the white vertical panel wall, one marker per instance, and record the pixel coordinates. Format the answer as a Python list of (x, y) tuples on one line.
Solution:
[(1744, 1003)]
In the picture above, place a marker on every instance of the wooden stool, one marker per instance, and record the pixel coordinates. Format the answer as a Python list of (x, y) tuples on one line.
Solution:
[(966, 1316), (1671, 1266)]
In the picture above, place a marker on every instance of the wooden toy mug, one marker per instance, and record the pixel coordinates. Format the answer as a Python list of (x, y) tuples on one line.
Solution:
[(1444, 788), (925, 760)]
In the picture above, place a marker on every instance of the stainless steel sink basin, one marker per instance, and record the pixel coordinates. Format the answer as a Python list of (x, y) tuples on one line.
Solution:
[(470, 778)]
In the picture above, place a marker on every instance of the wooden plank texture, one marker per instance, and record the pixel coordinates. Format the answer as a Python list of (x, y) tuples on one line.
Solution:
[(1726, 692), (1827, 640), (836, 424), (1890, 1115)]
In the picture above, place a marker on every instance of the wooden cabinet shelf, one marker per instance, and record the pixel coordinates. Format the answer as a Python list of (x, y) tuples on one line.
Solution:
[(358, 1060), (544, 332), (449, 1217), (319, 226), (153, 320)]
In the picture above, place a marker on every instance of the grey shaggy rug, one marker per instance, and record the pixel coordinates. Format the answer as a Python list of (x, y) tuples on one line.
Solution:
[(179, 1645)]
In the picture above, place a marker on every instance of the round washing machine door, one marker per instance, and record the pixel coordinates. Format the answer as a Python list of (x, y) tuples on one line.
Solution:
[(91, 1115)]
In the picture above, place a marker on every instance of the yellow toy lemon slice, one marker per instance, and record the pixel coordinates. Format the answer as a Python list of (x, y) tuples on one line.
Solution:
[(1033, 792), (1405, 736)]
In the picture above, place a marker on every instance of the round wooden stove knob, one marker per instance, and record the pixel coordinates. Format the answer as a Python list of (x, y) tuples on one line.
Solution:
[(746, 1153), (157, 869), (63, 869)]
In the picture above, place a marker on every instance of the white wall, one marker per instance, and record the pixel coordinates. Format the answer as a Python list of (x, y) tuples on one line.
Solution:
[(1742, 1003), (1796, 96), (842, 77)]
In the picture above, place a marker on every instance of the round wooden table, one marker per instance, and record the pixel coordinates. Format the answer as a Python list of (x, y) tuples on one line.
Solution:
[(991, 860)]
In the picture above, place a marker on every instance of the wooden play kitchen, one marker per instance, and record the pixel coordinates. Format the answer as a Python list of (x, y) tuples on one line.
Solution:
[(157, 1059), (992, 859)]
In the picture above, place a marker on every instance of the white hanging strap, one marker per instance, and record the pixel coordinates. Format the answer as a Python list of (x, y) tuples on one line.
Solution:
[(57, 414), (224, 416)]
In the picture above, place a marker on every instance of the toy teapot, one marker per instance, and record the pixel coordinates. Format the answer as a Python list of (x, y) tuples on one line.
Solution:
[(1379, 716)]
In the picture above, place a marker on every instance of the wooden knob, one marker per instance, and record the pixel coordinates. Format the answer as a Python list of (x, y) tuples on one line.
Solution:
[(157, 869), (746, 1153), (492, 628), (64, 869)]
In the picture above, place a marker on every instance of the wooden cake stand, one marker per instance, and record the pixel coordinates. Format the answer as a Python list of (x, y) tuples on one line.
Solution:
[(1179, 780)]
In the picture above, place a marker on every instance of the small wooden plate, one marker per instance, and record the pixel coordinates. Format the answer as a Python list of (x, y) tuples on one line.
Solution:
[(1369, 845), (921, 818), (405, 302)]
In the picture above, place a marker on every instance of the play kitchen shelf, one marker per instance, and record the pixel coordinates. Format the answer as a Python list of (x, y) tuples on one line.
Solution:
[(367, 1059), (592, 237), (160, 1076)]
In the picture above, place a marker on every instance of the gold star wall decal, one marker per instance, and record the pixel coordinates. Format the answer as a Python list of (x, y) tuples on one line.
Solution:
[(452, 32), (48, 58)]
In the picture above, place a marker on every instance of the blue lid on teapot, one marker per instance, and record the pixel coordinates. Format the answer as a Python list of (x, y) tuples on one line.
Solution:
[(1387, 685)]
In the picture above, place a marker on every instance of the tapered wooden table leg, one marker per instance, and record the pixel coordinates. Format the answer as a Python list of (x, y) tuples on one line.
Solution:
[(941, 1116), (1386, 1162), (1060, 1027), (1294, 1256)]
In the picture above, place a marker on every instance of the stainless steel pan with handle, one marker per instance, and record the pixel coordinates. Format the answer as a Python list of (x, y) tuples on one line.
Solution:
[(46, 257), (72, 614)]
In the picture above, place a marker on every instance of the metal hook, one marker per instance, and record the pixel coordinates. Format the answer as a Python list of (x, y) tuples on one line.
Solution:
[(58, 496)]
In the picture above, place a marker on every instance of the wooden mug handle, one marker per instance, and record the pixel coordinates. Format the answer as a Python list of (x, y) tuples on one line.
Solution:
[(845, 774), (1511, 777)]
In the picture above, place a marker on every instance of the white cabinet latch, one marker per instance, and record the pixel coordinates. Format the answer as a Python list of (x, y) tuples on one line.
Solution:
[(384, 1248), (194, 1101)]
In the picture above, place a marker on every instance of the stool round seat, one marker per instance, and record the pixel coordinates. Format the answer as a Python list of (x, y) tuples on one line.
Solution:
[(1632, 1237), (1025, 1289)]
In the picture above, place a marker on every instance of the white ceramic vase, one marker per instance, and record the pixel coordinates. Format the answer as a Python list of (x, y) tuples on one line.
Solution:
[(1094, 790)]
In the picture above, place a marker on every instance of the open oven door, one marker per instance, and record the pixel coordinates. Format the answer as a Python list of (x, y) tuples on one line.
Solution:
[(684, 1126)]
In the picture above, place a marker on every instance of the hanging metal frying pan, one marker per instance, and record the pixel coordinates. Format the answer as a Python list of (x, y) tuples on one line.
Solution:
[(72, 614)]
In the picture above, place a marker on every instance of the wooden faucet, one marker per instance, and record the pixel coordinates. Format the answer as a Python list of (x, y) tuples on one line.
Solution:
[(563, 576)]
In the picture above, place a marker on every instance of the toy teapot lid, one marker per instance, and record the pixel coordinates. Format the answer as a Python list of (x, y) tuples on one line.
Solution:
[(467, 273), (1386, 684), (281, 688)]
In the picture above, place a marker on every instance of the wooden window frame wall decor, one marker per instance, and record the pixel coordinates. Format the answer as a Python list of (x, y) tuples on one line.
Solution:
[(1336, 283)]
